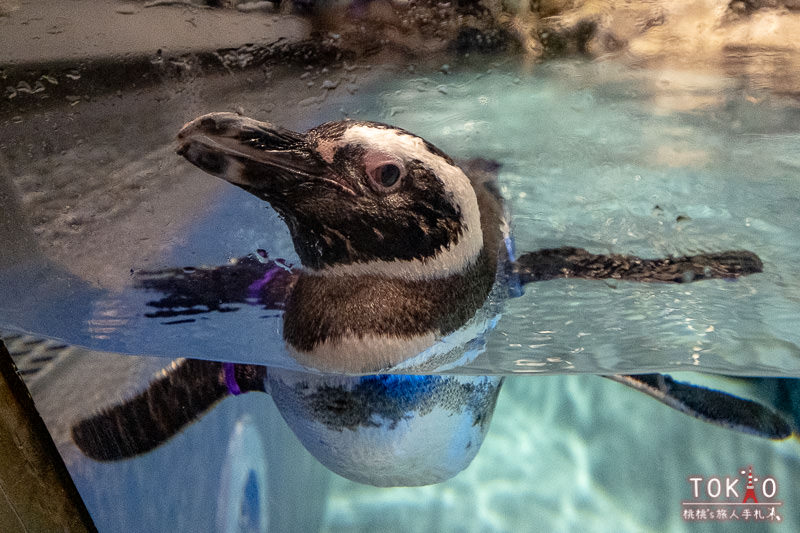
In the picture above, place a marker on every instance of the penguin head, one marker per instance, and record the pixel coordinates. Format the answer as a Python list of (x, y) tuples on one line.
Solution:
[(358, 197)]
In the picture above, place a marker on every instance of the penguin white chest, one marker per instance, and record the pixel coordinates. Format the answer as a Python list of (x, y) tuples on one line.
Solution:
[(388, 430)]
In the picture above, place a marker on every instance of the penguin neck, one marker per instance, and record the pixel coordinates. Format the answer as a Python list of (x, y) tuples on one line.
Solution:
[(444, 263), (366, 323)]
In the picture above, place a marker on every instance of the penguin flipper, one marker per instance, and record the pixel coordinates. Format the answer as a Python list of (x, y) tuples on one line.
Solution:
[(569, 262), (710, 405), (179, 396), (483, 172)]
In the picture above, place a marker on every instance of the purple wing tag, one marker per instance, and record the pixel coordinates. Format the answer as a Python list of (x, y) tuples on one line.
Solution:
[(229, 369)]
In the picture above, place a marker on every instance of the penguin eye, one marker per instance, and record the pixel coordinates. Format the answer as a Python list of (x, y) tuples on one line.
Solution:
[(388, 175)]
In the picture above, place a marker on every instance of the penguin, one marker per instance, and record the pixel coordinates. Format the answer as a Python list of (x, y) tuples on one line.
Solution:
[(406, 258)]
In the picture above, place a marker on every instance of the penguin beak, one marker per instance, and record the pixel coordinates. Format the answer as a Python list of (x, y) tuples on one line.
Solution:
[(262, 159)]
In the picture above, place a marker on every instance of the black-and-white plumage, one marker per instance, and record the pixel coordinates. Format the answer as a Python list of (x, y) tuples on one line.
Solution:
[(405, 255), (388, 228)]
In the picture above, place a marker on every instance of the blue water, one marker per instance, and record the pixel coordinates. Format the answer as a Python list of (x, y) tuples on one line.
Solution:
[(577, 453)]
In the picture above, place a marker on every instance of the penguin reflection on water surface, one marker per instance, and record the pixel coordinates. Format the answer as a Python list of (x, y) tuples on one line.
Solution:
[(406, 259)]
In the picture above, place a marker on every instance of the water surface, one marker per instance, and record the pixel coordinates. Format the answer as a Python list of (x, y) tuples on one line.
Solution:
[(595, 155)]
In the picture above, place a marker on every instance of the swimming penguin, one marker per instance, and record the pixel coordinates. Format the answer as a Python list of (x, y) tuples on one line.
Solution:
[(406, 259)]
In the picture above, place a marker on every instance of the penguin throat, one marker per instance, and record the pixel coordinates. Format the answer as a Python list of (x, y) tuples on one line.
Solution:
[(364, 323), (451, 260)]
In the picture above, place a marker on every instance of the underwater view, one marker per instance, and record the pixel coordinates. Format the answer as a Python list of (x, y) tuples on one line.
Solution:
[(424, 202)]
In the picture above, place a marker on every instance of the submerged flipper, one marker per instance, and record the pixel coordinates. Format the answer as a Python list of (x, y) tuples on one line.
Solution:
[(710, 405), (569, 262), (178, 396)]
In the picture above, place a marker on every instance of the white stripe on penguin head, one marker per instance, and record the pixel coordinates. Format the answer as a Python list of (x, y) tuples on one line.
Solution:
[(453, 258)]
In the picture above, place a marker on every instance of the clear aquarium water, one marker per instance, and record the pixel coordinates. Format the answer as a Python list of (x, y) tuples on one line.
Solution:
[(631, 152)]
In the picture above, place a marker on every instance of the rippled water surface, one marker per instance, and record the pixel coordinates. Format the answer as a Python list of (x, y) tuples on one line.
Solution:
[(593, 155), (641, 163)]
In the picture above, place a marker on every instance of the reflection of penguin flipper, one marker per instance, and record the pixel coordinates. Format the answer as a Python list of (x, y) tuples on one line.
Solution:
[(710, 405), (180, 395), (190, 291), (568, 262)]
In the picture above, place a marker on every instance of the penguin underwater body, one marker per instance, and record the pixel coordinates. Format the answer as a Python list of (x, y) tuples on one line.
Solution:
[(405, 259)]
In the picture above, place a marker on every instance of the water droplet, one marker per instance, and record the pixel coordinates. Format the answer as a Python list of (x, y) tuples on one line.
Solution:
[(248, 7), (312, 100), (127, 9), (24, 87)]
